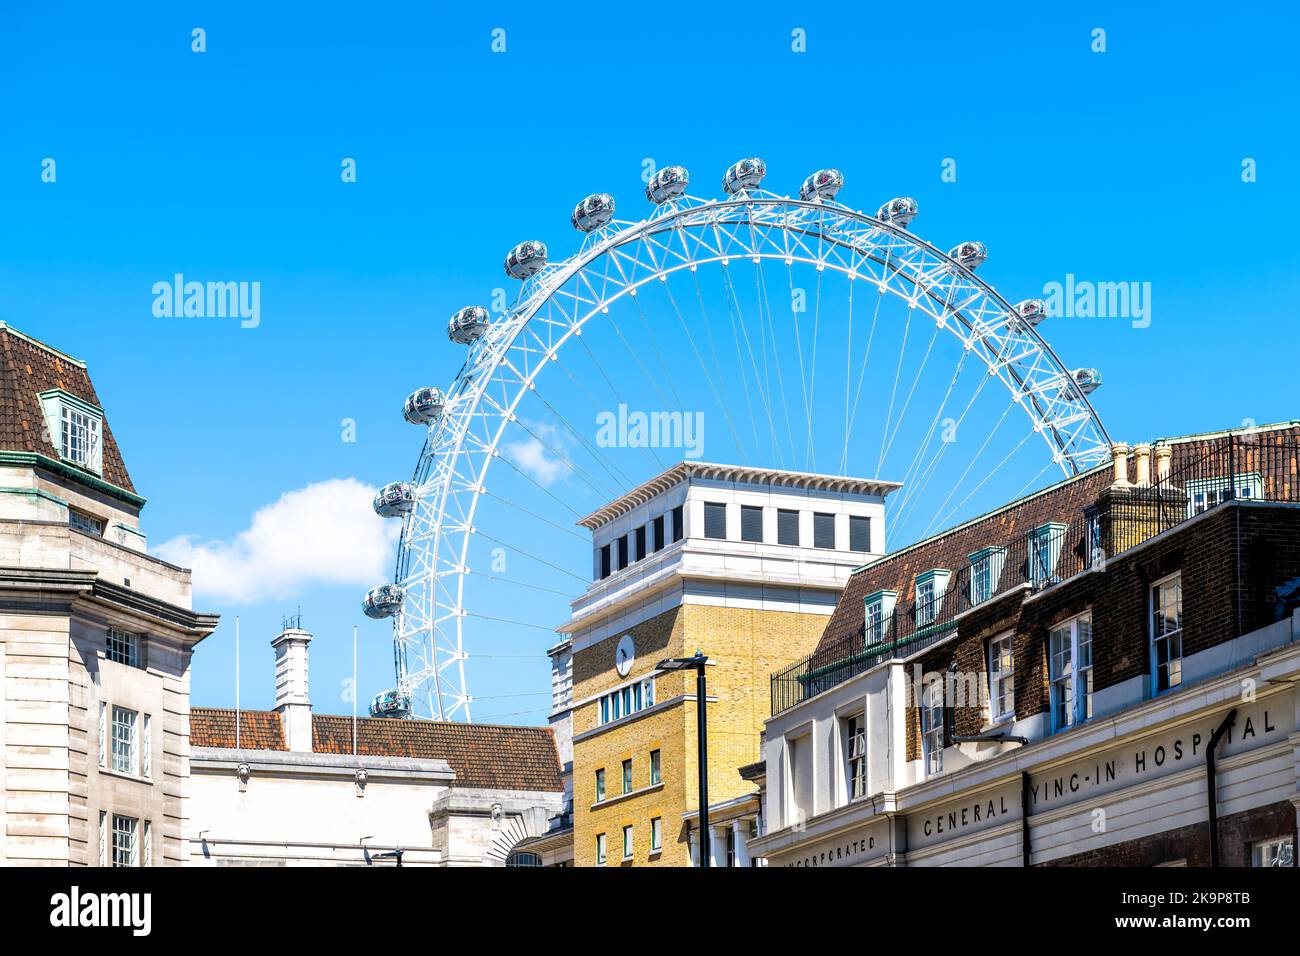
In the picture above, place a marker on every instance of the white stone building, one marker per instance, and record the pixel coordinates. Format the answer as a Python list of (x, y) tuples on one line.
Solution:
[(290, 787), (96, 636)]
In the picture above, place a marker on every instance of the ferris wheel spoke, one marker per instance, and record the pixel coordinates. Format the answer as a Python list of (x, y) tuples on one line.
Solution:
[(912, 391), (935, 517), (737, 320), (914, 492), (765, 306), (514, 548)]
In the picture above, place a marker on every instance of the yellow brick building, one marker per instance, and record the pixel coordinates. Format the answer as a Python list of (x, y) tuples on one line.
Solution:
[(743, 564)]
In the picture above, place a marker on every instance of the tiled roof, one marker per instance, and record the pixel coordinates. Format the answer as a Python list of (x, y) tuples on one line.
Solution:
[(215, 727), (28, 368), (489, 756)]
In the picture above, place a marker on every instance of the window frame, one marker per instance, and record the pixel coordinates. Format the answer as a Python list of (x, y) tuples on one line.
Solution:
[(747, 514), (988, 562), (126, 744), (1275, 849), (1250, 481), (124, 647), (626, 776), (601, 855), (659, 537), (1076, 706), (629, 842), (712, 509), (1173, 664), (1048, 540), (819, 521), (998, 676), (862, 522), (855, 756), (128, 855), (656, 834), (656, 768), (936, 580), (884, 603), (783, 516), (932, 720), (600, 785)]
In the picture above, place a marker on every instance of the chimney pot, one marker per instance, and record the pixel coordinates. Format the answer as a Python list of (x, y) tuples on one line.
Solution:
[(1142, 463), (1119, 455), (1164, 454)]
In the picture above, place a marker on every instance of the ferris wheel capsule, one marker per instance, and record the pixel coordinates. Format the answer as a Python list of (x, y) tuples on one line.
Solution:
[(468, 324), (969, 254), (424, 406), (593, 212), (1088, 380), (395, 499), (1028, 313), (526, 259), (390, 703), (744, 175), (383, 601), (898, 212), (667, 184), (823, 184)]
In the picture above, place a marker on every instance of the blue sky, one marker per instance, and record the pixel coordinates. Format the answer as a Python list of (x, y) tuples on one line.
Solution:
[(1115, 166)]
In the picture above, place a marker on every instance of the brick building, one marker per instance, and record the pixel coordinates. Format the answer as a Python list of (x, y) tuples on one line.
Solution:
[(744, 564), (1042, 685)]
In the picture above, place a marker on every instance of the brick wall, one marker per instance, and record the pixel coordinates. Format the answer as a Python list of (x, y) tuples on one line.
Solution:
[(1237, 834)]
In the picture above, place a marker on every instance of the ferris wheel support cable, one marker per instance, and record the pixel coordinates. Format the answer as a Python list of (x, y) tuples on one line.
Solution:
[(533, 514), (934, 422), (889, 415), (911, 392), (521, 584), (935, 519), (810, 451), (910, 502), (765, 304), (528, 554), (713, 351), (647, 452), (621, 480), (1029, 434), (603, 493), (913, 493), (852, 419), (654, 344), (726, 412), (732, 308), (617, 397)]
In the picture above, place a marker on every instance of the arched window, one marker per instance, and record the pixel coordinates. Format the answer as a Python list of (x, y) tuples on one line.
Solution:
[(523, 858)]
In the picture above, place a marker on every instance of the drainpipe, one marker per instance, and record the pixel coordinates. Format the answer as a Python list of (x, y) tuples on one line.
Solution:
[(1211, 783), (1026, 852)]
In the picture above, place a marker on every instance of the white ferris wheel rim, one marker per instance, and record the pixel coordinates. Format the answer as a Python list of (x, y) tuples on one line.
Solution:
[(436, 534)]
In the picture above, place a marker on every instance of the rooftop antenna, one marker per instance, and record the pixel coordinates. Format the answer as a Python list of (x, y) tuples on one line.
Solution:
[(237, 682), (354, 690)]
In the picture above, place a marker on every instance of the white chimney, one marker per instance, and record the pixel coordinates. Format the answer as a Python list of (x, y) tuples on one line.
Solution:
[(291, 700)]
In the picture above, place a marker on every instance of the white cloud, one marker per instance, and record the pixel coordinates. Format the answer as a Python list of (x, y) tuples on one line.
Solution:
[(532, 456), (325, 533)]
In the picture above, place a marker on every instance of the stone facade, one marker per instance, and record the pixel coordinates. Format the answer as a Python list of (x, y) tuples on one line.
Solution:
[(96, 637)]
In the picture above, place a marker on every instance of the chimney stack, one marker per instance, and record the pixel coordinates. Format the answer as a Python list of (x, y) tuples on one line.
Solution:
[(291, 700), (1142, 459)]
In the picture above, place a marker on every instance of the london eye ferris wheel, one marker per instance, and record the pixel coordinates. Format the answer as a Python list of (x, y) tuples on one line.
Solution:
[(806, 334)]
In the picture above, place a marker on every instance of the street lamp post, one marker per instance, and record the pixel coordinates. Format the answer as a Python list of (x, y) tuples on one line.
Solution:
[(698, 663)]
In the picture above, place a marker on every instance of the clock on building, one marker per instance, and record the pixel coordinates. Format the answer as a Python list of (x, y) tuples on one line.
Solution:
[(624, 655)]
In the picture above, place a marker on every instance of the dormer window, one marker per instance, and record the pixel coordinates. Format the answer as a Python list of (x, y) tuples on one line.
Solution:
[(1044, 551), (929, 595), (76, 428), (985, 570), (878, 611)]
